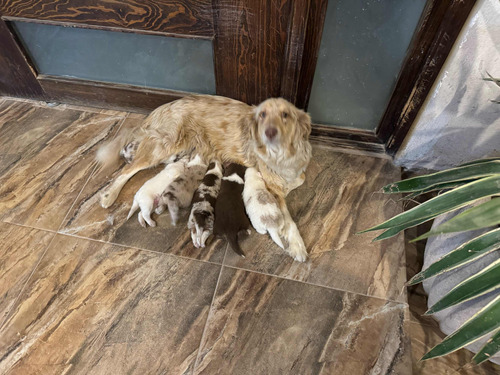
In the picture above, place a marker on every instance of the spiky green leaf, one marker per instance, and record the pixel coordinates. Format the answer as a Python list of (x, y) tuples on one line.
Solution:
[(444, 186), (485, 281), (391, 232), (469, 251), (467, 172), (479, 161), (483, 322), (484, 215), (489, 349), (448, 201)]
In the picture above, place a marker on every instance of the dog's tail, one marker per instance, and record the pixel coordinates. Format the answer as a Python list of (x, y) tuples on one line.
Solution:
[(108, 155), (234, 245)]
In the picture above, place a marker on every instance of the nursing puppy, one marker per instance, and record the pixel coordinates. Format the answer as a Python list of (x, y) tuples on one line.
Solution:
[(201, 219), (179, 193), (262, 207), (148, 197), (230, 216)]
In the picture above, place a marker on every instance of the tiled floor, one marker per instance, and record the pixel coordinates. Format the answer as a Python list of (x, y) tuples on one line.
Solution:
[(84, 291)]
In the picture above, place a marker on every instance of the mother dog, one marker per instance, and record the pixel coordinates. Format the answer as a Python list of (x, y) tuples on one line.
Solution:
[(273, 137)]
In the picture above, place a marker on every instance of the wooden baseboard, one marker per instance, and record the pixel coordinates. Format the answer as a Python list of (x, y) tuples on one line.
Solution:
[(347, 138), (106, 95)]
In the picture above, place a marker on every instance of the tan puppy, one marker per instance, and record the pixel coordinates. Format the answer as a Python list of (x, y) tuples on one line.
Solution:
[(272, 137)]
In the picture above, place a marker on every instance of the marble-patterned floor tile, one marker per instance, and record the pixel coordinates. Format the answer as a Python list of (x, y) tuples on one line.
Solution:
[(96, 308), (88, 219), (20, 250), (261, 324), (339, 198), (424, 337), (66, 106), (54, 157)]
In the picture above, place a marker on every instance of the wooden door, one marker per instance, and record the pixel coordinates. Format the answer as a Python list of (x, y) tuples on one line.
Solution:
[(261, 49)]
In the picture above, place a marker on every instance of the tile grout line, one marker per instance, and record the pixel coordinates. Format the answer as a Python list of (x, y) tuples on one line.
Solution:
[(318, 285), (55, 233), (209, 313), (86, 181), (211, 262), (139, 248)]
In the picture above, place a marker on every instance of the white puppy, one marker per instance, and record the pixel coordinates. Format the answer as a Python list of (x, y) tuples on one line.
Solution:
[(262, 207), (179, 193), (148, 197)]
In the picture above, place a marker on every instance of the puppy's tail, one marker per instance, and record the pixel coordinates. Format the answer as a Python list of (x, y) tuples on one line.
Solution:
[(234, 245), (134, 208), (173, 206), (108, 155)]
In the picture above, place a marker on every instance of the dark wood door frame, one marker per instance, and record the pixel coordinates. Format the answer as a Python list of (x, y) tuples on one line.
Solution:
[(262, 48)]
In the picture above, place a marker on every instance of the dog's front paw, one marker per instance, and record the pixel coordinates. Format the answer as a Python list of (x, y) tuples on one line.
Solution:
[(298, 252), (296, 247)]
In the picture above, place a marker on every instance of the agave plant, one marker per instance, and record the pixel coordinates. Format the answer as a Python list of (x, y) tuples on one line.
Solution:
[(458, 187)]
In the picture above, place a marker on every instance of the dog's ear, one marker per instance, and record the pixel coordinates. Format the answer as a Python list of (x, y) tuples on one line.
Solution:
[(251, 122), (304, 124)]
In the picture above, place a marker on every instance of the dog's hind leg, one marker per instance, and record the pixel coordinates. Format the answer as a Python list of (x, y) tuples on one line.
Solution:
[(145, 158)]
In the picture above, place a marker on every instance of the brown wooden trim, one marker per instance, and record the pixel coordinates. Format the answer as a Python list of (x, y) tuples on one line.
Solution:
[(107, 28), (16, 76), (347, 139), (106, 95), (294, 53), (436, 33), (344, 133), (314, 31), (250, 41), (180, 17)]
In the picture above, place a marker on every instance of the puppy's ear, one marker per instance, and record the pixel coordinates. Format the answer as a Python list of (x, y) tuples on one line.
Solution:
[(304, 124)]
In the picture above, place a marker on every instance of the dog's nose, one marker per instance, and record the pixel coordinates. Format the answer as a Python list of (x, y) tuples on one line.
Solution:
[(271, 133)]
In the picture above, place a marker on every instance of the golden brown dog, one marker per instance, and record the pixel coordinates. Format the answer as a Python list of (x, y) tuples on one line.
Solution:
[(273, 137)]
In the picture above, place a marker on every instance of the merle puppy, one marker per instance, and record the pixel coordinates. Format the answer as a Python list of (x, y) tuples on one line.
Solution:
[(201, 219), (230, 216)]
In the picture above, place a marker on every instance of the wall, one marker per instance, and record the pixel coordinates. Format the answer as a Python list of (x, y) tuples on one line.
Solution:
[(459, 122)]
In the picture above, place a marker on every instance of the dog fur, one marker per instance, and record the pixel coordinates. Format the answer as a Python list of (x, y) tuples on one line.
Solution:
[(272, 137), (230, 216), (179, 193), (202, 216), (262, 207)]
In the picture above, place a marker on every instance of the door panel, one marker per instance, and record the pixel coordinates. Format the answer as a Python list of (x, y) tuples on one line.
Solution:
[(261, 49), (151, 61), (362, 50)]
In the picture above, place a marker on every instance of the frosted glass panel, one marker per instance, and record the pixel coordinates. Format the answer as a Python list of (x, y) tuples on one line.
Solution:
[(109, 56), (362, 50)]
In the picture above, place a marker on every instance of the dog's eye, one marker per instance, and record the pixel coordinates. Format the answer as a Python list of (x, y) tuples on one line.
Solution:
[(263, 114), (284, 114)]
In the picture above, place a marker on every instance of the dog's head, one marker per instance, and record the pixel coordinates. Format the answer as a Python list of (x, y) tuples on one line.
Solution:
[(279, 125)]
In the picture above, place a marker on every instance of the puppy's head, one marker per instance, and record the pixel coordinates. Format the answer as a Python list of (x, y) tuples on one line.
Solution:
[(280, 125)]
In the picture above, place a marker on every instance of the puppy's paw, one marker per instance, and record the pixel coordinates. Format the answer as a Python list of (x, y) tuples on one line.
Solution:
[(160, 209)]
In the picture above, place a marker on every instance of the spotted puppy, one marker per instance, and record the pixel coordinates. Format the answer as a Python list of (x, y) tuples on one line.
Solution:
[(179, 193), (230, 216), (148, 197), (262, 207), (201, 219)]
